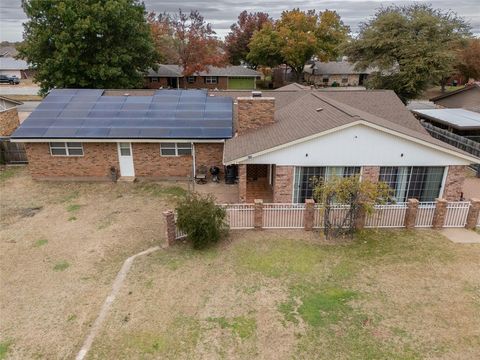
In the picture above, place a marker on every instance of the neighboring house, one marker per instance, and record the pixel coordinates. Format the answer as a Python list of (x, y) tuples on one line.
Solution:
[(9, 122), (467, 97), (229, 77), (334, 73), (13, 67), (278, 141)]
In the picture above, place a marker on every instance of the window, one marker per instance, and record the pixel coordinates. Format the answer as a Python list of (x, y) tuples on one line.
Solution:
[(325, 79), (210, 79), (418, 182), (191, 79), (305, 178), (125, 149), (154, 79), (345, 79), (175, 149), (66, 149)]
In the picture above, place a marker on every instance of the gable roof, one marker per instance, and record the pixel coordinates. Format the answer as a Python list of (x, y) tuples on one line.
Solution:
[(475, 85), (7, 103), (293, 87), (300, 120), (8, 63), (231, 70), (84, 114)]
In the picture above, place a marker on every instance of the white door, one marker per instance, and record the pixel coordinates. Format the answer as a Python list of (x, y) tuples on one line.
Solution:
[(125, 158)]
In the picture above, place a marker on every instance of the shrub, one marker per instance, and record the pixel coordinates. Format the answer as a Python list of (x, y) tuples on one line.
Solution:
[(200, 218)]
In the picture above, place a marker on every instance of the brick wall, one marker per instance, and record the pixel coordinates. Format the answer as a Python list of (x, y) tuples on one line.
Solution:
[(210, 154), (353, 79), (253, 113), (242, 182), (93, 165), (8, 121), (283, 184), (222, 83), (454, 182), (370, 173)]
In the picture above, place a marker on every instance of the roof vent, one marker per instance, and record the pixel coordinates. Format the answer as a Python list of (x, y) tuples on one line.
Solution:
[(256, 94), (319, 109)]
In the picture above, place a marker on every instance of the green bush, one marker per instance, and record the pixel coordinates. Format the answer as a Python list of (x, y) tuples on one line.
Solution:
[(200, 218)]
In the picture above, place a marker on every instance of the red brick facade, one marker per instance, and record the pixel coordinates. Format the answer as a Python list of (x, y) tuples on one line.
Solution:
[(370, 173), (199, 83), (8, 121), (99, 157), (454, 182), (283, 184), (254, 113)]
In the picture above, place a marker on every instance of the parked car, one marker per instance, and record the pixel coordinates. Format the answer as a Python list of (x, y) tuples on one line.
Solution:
[(12, 80)]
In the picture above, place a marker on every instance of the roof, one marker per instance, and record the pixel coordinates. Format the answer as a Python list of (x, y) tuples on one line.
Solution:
[(455, 92), (89, 114), (457, 118), (231, 71), (293, 86), (300, 119), (420, 105), (7, 103), (8, 63), (334, 68)]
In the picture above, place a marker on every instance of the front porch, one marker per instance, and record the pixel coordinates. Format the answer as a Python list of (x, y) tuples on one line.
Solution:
[(256, 181)]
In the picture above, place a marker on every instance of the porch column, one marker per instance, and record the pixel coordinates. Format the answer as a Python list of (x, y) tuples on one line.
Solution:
[(473, 213), (242, 183), (411, 213), (439, 214)]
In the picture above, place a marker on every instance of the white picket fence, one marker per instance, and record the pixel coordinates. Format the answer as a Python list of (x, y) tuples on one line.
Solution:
[(291, 216)]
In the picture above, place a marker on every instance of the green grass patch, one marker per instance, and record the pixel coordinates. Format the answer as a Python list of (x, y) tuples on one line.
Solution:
[(279, 257), (61, 266), (40, 242), (157, 190), (242, 326), (8, 173), (73, 207), (71, 318), (4, 347), (72, 218)]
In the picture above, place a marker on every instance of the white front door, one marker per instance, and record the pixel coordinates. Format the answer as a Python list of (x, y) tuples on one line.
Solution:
[(125, 158)]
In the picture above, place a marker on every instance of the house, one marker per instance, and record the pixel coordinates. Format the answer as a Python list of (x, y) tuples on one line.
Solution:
[(13, 67), (229, 77), (277, 140), (334, 73), (467, 97)]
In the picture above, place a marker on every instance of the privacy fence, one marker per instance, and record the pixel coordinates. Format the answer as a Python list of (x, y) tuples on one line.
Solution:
[(310, 216)]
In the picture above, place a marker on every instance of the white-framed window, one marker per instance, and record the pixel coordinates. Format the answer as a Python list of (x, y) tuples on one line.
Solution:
[(66, 149), (154, 79), (326, 79), (211, 80), (175, 149), (344, 79), (191, 79)]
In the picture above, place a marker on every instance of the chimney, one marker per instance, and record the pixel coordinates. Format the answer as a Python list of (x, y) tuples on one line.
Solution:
[(254, 112)]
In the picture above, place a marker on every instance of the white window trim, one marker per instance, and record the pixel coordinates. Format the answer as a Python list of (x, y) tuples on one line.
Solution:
[(67, 152), (211, 80), (176, 149)]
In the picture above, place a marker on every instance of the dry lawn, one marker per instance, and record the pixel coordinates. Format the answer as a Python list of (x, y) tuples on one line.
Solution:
[(61, 245)]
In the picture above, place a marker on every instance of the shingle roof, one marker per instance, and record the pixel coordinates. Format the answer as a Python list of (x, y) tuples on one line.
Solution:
[(455, 92), (8, 63), (232, 71), (334, 68), (293, 87), (89, 114), (300, 119)]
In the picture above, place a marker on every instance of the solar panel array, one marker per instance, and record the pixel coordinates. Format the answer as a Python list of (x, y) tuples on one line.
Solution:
[(168, 114)]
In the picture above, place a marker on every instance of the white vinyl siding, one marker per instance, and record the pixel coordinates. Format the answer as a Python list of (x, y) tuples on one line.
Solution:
[(175, 149), (66, 149)]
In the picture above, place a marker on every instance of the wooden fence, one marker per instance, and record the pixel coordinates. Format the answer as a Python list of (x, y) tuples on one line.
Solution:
[(413, 214)]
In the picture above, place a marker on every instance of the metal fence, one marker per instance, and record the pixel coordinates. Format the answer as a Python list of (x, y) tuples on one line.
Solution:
[(456, 215), (283, 216), (240, 216), (425, 214), (387, 216)]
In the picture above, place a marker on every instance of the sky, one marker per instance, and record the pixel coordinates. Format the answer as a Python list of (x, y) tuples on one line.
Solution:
[(222, 13)]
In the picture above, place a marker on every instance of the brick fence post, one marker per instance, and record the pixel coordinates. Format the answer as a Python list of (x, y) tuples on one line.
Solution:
[(258, 214), (170, 227), (309, 214), (439, 214), (473, 212), (411, 213), (360, 218)]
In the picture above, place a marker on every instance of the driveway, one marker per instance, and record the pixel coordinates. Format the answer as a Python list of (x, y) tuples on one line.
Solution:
[(19, 90)]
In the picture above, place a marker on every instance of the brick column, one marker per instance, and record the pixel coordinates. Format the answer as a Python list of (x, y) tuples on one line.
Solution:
[(242, 183), (439, 214), (473, 212), (411, 213), (360, 218), (371, 173), (258, 214), (309, 214), (170, 227)]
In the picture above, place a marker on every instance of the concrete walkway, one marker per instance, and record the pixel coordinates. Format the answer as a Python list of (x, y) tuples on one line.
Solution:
[(461, 235), (117, 284)]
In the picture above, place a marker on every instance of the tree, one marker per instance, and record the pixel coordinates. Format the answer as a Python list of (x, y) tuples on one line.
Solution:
[(87, 44), (194, 45), (236, 42), (358, 196), (412, 47), (469, 60), (201, 219), (162, 32), (297, 37)]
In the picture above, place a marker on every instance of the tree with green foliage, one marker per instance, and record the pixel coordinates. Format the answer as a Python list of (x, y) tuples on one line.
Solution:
[(411, 47), (201, 219), (88, 43), (297, 37), (359, 197)]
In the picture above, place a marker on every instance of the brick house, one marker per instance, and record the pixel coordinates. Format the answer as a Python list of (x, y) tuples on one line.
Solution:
[(223, 78), (277, 140), (334, 73)]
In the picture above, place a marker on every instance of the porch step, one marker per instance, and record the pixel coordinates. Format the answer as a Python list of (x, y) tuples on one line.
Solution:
[(126, 178)]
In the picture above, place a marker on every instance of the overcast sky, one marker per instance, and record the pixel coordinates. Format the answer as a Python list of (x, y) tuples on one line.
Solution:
[(222, 13)]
